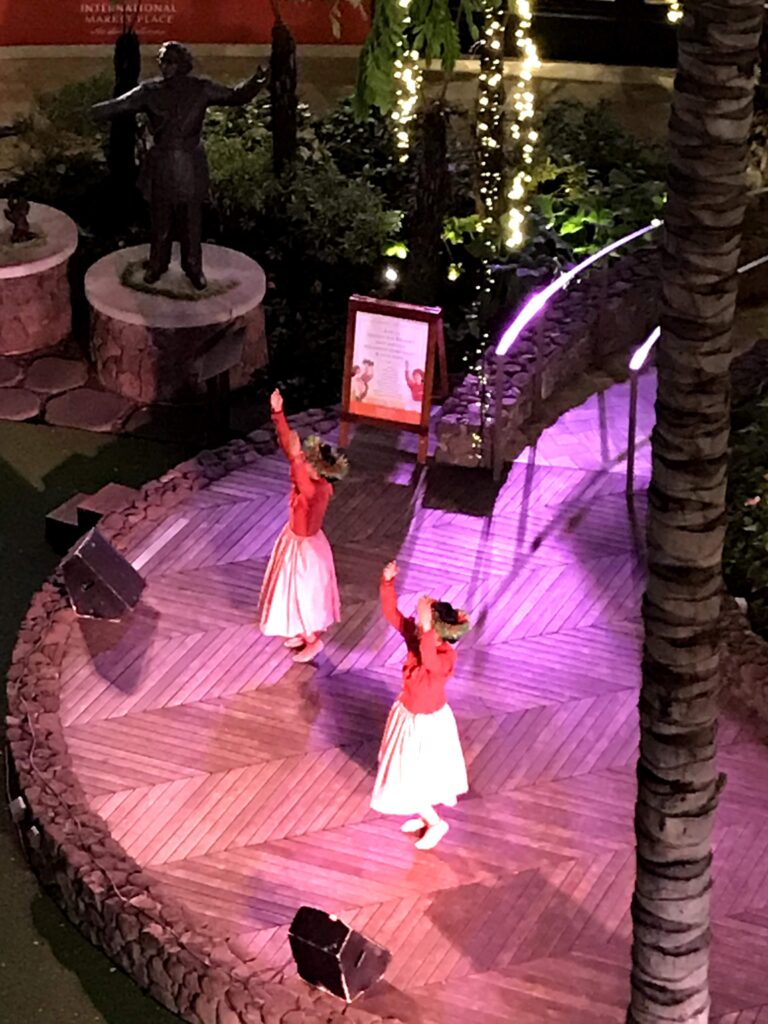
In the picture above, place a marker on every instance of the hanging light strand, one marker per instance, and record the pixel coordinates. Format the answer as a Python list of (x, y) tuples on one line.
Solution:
[(490, 129), (674, 11), (521, 128), (408, 78)]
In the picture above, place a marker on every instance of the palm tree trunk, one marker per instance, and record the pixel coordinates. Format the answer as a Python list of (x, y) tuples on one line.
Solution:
[(678, 784)]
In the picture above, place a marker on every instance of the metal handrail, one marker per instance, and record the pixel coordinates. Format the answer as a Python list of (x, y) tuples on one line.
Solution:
[(535, 304), (637, 361)]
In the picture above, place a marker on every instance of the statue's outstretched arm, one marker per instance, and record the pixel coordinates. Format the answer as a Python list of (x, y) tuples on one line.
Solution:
[(129, 103), (219, 95)]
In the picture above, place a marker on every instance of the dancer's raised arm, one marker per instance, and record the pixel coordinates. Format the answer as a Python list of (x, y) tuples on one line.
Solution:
[(388, 595)]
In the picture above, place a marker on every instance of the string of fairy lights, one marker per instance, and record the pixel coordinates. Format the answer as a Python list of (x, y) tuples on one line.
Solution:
[(504, 201), (408, 77), (522, 129), (490, 127), (674, 11)]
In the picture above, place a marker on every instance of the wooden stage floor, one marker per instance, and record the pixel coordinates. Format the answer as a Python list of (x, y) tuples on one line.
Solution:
[(241, 781)]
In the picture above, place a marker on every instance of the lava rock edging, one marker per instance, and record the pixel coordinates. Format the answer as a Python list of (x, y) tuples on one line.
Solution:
[(185, 965)]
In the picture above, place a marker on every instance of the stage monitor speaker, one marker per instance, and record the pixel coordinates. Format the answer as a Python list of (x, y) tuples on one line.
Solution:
[(332, 956), (101, 583)]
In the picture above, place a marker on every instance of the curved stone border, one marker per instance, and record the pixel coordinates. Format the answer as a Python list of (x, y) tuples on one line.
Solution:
[(245, 282), (184, 965), (56, 241), (582, 327)]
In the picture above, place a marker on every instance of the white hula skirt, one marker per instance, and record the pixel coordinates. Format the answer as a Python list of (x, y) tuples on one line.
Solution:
[(299, 595), (420, 762)]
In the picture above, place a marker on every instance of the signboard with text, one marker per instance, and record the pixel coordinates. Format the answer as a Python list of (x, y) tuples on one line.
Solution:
[(390, 364), (67, 22)]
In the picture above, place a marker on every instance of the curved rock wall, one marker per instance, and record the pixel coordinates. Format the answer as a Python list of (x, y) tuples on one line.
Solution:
[(187, 967)]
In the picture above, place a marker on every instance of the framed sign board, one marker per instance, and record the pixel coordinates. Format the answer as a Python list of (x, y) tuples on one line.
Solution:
[(389, 367)]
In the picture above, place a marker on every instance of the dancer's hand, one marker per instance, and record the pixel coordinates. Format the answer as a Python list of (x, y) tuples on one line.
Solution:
[(390, 571), (276, 401), (294, 445), (424, 613)]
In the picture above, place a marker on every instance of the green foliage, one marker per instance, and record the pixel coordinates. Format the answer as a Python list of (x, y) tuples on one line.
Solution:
[(433, 33), (251, 126), (436, 32), (332, 216), (593, 182), (326, 229), (319, 231), (590, 209), (572, 132), (363, 147), (745, 555), (62, 122), (375, 81)]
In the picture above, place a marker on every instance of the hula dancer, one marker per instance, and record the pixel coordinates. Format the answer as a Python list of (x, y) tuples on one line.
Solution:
[(420, 758), (300, 596)]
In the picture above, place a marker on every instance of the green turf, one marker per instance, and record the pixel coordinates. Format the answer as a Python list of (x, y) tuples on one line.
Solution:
[(49, 974)]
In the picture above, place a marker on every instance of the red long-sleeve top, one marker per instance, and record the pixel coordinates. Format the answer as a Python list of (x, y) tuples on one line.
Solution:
[(429, 663), (309, 498)]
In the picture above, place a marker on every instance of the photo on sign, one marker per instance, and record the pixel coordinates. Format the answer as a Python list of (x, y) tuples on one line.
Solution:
[(389, 361)]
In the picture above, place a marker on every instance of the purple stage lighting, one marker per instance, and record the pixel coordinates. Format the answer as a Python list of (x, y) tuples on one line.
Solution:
[(639, 356), (537, 301)]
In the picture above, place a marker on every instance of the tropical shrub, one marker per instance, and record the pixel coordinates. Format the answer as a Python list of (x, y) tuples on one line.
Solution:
[(328, 227), (745, 555)]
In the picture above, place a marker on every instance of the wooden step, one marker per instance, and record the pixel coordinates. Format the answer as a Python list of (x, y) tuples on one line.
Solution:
[(62, 528), (111, 498)]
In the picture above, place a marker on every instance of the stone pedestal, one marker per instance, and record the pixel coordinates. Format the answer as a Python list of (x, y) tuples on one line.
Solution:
[(35, 307), (152, 347)]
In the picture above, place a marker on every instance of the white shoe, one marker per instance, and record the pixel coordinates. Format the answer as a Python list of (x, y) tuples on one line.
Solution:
[(294, 643), (432, 836), (310, 652), (413, 825)]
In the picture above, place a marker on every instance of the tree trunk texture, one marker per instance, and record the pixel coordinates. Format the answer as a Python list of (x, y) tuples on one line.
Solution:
[(283, 99), (121, 150), (425, 264), (678, 784)]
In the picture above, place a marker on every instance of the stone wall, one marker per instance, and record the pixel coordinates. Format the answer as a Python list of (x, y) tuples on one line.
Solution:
[(185, 965), (157, 364), (744, 659), (606, 313), (35, 310)]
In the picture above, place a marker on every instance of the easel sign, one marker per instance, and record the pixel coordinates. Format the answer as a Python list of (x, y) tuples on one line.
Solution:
[(389, 368)]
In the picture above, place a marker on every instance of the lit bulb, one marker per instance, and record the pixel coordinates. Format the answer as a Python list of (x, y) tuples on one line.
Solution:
[(391, 275)]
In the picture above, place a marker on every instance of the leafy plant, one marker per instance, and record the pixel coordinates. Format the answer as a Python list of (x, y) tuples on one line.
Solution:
[(434, 32), (594, 182), (745, 555), (61, 121), (329, 226)]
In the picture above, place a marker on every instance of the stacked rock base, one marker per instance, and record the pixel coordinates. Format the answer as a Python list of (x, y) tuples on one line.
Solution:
[(152, 364), (35, 311), (187, 967)]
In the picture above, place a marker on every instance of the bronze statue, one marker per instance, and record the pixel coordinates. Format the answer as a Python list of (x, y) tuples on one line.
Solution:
[(174, 175), (17, 212)]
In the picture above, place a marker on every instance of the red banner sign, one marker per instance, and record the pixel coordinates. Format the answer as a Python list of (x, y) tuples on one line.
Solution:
[(63, 22)]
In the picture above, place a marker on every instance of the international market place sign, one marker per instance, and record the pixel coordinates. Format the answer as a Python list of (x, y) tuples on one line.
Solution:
[(71, 22)]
